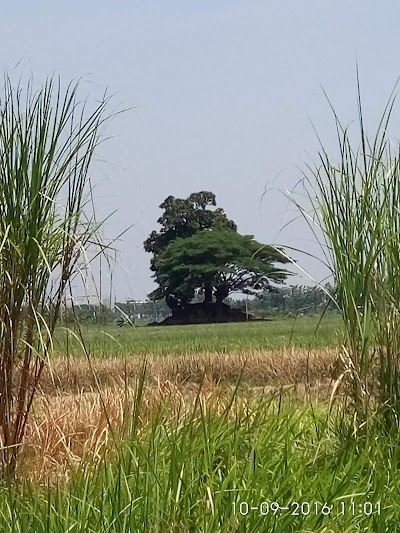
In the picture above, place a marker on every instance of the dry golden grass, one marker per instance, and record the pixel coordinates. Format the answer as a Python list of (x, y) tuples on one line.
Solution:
[(258, 368), (75, 418)]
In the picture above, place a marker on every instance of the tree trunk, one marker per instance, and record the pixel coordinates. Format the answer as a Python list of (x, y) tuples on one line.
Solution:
[(208, 294), (219, 311), (220, 294), (171, 301)]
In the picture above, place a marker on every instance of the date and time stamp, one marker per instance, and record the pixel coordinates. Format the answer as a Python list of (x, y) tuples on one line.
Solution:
[(305, 508)]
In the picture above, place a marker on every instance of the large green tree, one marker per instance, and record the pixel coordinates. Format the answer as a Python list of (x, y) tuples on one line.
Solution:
[(216, 262), (182, 218)]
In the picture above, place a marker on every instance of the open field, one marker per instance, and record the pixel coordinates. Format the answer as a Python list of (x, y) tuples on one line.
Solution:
[(112, 341), (181, 448)]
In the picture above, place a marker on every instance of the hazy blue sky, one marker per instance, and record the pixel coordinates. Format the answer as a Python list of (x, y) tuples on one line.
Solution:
[(223, 93)]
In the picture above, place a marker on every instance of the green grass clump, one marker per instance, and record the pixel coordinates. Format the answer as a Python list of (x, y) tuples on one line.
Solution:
[(355, 215), (111, 341), (47, 142), (192, 474)]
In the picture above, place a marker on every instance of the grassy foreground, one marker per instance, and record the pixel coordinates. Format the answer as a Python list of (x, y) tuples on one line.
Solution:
[(205, 467), (180, 453)]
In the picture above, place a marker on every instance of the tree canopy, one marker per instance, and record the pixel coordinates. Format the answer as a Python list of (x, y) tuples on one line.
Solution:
[(198, 250), (217, 262), (184, 217)]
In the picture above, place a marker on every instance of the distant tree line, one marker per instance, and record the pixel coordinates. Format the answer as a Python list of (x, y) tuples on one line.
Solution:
[(293, 299), (141, 311), (284, 301)]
